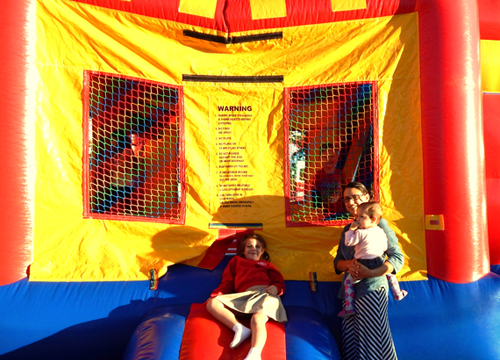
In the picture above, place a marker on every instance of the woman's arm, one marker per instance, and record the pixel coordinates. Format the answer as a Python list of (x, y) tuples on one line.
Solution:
[(394, 254), (362, 272), (346, 265)]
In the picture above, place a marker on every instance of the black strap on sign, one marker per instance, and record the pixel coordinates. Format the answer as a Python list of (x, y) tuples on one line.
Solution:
[(233, 39)]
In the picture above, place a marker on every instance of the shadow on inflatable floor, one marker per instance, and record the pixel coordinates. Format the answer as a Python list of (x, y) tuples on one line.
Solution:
[(120, 320)]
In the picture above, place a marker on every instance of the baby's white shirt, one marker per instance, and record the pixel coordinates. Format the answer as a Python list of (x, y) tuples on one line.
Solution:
[(368, 243)]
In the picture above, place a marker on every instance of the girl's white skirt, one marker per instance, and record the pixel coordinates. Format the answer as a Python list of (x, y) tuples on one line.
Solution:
[(254, 301)]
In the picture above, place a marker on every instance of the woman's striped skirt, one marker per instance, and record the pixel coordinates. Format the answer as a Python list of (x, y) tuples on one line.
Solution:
[(366, 335)]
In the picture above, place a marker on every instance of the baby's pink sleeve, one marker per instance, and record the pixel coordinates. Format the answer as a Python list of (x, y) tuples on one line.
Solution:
[(352, 238)]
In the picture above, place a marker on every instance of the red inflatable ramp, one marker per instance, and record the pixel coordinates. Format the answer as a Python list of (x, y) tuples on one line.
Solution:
[(206, 338)]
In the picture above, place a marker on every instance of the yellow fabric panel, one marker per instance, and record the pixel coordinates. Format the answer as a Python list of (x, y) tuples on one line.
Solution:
[(490, 65), (401, 180), (204, 8), (346, 5), (73, 37), (68, 247), (265, 9)]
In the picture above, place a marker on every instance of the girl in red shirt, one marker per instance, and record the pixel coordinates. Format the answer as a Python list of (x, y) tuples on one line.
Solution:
[(250, 285)]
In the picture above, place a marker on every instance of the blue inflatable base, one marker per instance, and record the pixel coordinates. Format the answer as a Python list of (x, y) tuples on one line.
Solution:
[(437, 320), (159, 336)]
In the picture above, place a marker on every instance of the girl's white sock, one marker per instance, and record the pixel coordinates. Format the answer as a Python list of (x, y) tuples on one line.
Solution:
[(241, 333), (254, 354)]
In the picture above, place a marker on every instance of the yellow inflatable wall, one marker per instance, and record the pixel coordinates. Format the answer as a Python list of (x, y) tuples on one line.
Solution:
[(217, 118)]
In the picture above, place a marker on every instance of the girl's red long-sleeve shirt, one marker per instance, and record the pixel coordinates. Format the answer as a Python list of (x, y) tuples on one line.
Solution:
[(240, 274)]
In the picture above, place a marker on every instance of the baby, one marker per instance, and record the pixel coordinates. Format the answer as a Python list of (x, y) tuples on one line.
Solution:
[(370, 243)]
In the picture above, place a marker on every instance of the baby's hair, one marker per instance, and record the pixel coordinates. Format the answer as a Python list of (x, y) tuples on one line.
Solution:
[(243, 242), (372, 209)]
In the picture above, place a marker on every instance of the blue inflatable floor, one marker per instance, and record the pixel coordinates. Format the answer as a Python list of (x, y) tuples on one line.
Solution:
[(437, 320)]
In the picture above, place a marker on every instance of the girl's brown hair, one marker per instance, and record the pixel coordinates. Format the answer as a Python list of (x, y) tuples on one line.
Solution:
[(240, 251)]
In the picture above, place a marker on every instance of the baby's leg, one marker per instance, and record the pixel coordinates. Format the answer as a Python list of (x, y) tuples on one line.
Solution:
[(397, 293), (349, 297)]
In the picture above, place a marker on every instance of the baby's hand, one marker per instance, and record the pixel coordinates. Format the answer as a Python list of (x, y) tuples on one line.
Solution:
[(273, 290), (354, 225)]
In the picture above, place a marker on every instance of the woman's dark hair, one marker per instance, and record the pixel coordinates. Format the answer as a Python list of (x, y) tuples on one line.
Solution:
[(240, 251), (361, 187)]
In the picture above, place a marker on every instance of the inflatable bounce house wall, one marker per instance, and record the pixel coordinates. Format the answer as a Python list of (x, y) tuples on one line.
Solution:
[(142, 138)]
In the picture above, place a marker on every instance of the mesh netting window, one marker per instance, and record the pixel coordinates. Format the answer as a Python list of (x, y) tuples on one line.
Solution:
[(133, 149), (331, 136)]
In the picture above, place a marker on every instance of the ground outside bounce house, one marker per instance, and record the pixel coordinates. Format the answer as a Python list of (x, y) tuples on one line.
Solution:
[(142, 139)]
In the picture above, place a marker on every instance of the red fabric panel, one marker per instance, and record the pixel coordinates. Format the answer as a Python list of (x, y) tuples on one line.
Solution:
[(491, 116), (235, 15), (15, 217), (306, 12), (162, 9), (206, 338), (489, 19), (493, 189), (491, 119), (218, 249)]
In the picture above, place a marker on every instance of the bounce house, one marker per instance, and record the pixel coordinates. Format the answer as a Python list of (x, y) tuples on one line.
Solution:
[(143, 138)]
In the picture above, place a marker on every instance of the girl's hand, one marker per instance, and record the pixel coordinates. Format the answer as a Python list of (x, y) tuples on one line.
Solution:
[(273, 290)]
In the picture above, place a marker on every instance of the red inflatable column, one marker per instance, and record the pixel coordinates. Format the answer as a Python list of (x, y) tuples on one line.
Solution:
[(15, 212), (454, 180)]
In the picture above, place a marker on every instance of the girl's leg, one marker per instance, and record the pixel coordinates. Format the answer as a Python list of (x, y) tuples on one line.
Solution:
[(219, 311), (259, 335), (397, 293)]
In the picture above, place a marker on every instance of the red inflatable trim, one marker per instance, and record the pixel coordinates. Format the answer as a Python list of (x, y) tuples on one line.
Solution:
[(15, 215), (235, 15)]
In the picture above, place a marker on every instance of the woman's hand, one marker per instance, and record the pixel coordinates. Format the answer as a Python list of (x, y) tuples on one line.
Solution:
[(359, 271), (354, 269), (273, 290)]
